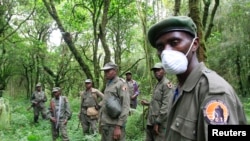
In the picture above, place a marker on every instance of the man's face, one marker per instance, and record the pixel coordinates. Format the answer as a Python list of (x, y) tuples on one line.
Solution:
[(128, 76), (88, 85), (110, 74), (159, 73), (38, 88), (176, 40), (56, 94)]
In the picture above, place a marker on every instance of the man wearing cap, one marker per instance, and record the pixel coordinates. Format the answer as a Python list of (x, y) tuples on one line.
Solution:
[(59, 114), (158, 106), (90, 101), (112, 125), (133, 89), (199, 90), (38, 99)]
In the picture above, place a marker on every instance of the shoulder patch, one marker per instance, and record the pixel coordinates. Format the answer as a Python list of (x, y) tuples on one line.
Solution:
[(216, 112), (124, 88), (169, 85)]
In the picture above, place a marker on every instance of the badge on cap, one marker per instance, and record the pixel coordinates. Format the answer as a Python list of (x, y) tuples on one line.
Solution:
[(216, 112)]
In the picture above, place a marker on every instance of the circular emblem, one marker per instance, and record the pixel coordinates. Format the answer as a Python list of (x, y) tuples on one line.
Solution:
[(216, 112)]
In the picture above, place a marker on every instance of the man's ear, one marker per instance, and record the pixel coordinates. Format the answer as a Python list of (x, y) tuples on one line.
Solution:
[(196, 44)]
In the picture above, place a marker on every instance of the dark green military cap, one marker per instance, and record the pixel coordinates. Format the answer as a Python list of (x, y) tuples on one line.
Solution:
[(173, 23), (157, 66), (109, 66)]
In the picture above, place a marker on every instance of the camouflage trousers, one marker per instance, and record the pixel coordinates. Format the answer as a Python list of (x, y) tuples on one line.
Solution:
[(152, 136), (107, 133), (89, 125), (62, 128), (37, 111)]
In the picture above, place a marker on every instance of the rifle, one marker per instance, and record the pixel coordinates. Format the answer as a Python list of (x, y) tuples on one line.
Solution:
[(33, 105), (53, 110), (54, 114), (59, 112), (143, 116)]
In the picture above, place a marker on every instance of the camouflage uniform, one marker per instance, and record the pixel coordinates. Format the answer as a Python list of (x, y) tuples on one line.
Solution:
[(59, 109), (89, 99), (38, 100), (115, 87)]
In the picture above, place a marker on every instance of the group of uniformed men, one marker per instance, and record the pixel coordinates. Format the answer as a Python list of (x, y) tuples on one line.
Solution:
[(176, 113)]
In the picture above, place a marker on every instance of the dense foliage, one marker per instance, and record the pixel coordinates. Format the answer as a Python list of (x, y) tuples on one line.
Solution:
[(63, 42)]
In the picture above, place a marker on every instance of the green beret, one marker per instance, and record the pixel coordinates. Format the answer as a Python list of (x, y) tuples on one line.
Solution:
[(173, 23)]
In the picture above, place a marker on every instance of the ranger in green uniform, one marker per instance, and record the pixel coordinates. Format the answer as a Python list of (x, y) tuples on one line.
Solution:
[(89, 108), (159, 105), (200, 92), (59, 114), (112, 125), (38, 100)]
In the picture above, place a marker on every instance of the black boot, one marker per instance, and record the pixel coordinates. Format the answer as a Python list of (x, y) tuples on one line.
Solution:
[(36, 119)]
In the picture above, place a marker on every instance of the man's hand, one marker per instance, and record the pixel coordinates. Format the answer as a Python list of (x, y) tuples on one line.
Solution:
[(117, 132), (133, 97), (156, 129), (144, 102), (65, 122), (53, 119)]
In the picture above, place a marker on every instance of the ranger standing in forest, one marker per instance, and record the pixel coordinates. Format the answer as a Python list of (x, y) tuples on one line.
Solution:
[(89, 108), (38, 99), (59, 114), (199, 90), (133, 89), (115, 107), (158, 106)]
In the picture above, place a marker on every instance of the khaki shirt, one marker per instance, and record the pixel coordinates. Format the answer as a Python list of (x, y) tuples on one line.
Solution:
[(194, 108), (119, 88), (90, 99), (159, 104)]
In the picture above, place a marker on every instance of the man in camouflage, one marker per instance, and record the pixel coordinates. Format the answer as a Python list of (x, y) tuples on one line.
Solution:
[(89, 99), (112, 127), (59, 114), (38, 99), (159, 105)]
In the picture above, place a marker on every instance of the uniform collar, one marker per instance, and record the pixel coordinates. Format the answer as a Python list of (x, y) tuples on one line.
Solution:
[(193, 77)]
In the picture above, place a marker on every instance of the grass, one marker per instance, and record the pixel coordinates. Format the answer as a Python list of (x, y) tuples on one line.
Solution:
[(22, 128)]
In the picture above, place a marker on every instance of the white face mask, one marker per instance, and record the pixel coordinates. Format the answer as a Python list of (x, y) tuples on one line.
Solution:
[(175, 62)]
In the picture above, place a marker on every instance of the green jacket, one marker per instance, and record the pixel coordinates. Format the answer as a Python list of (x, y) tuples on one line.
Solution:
[(119, 88), (195, 106), (90, 99), (159, 104)]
